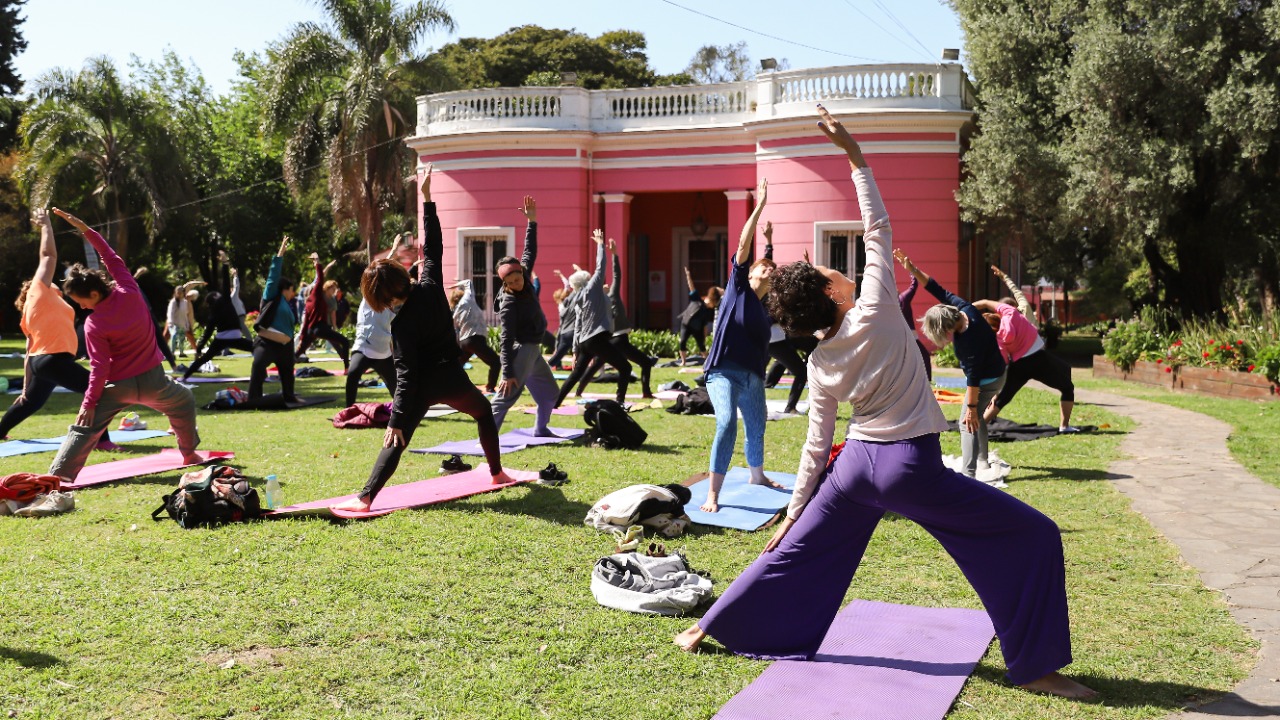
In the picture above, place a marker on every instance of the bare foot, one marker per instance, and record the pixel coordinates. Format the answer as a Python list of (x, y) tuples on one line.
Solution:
[(503, 478), (192, 459), (1062, 686), (355, 505), (710, 506), (689, 640), (764, 480)]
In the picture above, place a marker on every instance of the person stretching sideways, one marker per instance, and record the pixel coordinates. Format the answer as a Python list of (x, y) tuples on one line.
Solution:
[(593, 331), (782, 349), (274, 344), (697, 315), (904, 303), (522, 324), (736, 364), (954, 319), (1018, 300), (890, 462), (318, 316), (224, 324), (426, 356), (1028, 360), (124, 363), (621, 333), (49, 324), (473, 331)]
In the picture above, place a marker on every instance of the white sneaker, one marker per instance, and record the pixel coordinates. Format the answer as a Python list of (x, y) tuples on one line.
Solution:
[(51, 504), (1068, 429)]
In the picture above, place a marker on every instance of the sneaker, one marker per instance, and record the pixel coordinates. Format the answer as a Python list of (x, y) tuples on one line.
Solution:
[(552, 475), (50, 504), (132, 422), (1068, 429), (181, 367), (453, 464)]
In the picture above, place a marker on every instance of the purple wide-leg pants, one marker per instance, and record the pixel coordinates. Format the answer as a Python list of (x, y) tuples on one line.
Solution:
[(1009, 551)]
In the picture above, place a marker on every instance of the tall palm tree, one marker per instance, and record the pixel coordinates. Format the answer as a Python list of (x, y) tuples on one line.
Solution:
[(342, 94), (89, 131)]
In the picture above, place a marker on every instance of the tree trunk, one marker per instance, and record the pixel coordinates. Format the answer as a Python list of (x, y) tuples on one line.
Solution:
[(1268, 277)]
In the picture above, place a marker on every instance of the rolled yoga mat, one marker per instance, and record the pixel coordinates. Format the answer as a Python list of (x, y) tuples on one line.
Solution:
[(164, 461), (743, 506), (411, 495), (24, 447), (878, 661), (508, 442)]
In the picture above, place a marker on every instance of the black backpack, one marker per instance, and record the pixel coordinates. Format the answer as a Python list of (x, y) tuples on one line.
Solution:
[(609, 424), (695, 402), (211, 496)]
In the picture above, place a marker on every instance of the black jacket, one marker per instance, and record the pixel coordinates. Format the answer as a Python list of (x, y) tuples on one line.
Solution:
[(520, 314)]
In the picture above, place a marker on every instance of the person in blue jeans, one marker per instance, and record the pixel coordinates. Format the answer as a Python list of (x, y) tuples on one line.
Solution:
[(735, 366)]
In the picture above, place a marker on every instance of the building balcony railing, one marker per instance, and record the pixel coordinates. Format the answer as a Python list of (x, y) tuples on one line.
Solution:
[(790, 93)]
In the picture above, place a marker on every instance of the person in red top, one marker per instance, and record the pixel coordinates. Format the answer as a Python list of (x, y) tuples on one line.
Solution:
[(319, 317), (122, 352), (49, 324)]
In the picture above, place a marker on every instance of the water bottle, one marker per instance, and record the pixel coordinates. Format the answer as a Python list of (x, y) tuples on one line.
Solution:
[(275, 496)]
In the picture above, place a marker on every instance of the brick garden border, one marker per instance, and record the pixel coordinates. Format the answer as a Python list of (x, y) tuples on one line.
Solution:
[(1203, 381)]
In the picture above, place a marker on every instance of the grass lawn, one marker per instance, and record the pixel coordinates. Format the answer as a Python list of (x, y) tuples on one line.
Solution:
[(481, 608), (1255, 423)]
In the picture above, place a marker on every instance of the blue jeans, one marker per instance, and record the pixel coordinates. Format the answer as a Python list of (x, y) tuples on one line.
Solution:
[(733, 389)]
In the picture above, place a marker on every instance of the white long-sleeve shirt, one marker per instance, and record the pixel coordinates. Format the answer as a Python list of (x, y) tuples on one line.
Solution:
[(373, 332), (870, 361)]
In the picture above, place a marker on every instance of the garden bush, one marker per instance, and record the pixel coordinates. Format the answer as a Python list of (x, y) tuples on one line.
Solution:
[(660, 343), (946, 357)]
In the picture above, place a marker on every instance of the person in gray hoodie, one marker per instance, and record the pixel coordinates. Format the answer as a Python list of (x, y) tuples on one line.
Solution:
[(621, 333), (522, 324), (593, 334)]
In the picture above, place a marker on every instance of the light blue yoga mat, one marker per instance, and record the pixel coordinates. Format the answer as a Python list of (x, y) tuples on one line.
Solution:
[(943, 381), (25, 447), (743, 506), (508, 442)]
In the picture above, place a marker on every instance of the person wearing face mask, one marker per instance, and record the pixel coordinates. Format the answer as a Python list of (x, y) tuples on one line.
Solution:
[(275, 324), (124, 362), (891, 461), (735, 366), (426, 354), (49, 324)]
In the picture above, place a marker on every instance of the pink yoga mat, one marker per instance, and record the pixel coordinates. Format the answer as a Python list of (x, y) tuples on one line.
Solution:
[(163, 461), (877, 661), (412, 495)]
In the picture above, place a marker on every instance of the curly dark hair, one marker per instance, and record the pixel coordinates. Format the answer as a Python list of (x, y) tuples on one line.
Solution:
[(81, 281), (797, 301)]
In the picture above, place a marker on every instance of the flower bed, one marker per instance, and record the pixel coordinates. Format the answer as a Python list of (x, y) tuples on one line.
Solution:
[(1206, 381)]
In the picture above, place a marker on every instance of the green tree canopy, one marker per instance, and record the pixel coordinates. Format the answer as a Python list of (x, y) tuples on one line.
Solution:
[(1122, 131), (615, 59), (11, 43)]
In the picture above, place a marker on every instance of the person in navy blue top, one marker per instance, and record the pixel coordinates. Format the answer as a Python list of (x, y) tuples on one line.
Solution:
[(736, 364), (956, 320)]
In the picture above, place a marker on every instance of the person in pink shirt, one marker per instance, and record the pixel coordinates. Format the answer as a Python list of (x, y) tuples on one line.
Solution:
[(1028, 359), (124, 362)]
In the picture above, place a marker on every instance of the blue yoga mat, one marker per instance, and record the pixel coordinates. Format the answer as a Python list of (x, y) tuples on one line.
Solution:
[(949, 382), (743, 506), (508, 442), (25, 447)]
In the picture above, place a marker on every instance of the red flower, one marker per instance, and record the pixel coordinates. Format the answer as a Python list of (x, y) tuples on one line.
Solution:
[(1251, 368), (1168, 369), (1206, 354), (1212, 342), (1159, 360), (1177, 343), (1239, 342)]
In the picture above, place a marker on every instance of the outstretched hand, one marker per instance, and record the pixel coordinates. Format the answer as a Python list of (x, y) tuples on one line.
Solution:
[(530, 208), (839, 136), (778, 534), (284, 245), (901, 257), (40, 217), (425, 183), (999, 273), (612, 246), (768, 232), (762, 192), (76, 222), (807, 261), (598, 236)]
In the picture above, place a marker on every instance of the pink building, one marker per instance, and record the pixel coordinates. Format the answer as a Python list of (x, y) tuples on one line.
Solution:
[(670, 173)]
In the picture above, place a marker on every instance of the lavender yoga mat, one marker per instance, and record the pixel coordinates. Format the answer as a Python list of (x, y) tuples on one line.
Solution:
[(508, 442), (878, 660), (414, 494)]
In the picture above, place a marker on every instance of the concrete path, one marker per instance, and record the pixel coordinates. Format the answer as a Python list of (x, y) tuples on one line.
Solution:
[(1226, 523)]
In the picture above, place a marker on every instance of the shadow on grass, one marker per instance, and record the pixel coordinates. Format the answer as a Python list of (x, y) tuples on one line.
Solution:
[(546, 503), (29, 658), (1076, 474)]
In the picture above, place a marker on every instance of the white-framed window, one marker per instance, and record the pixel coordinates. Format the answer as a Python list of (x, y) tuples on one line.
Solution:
[(479, 250), (838, 245)]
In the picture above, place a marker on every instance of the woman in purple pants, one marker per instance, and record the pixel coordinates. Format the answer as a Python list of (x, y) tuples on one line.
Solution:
[(891, 462)]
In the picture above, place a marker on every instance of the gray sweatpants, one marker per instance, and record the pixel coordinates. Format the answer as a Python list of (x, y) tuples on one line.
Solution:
[(531, 371), (151, 389), (973, 446)]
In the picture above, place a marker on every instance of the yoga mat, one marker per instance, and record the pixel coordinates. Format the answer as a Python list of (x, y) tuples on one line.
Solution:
[(18, 390), (163, 461), (944, 381), (508, 442), (1001, 430), (412, 495), (560, 375), (565, 410), (608, 396), (214, 380), (948, 397), (436, 411), (24, 447), (275, 401), (743, 506), (774, 410), (878, 661)]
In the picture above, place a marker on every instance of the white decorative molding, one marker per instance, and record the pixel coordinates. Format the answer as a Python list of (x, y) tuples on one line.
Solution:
[(738, 195), (616, 198)]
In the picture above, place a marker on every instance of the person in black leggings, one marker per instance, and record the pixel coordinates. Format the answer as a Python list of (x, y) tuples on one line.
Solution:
[(473, 331), (319, 318), (274, 344), (426, 357), (697, 315), (621, 333), (594, 331), (223, 325)]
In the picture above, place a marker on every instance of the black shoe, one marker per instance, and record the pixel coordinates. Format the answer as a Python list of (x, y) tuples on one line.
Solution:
[(552, 475), (453, 464)]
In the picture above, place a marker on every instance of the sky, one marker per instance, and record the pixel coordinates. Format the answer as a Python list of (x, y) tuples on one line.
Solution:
[(63, 33)]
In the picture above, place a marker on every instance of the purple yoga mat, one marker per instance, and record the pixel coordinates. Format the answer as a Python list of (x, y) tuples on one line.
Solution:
[(566, 410), (508, 442), (877, 661)]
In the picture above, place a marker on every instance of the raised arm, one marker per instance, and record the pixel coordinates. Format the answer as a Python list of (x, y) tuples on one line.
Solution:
[(597, 277), (468, 294), (747, 241), (529, 208), (615, 285), (432, 251), (1024, 306), (688, 278), (271, 290), (48, 249), (904, 300), (917, 275), (768, 240), (986, 306), (115, 266)]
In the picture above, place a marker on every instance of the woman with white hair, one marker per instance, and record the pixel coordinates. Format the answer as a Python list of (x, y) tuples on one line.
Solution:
[(593, 331), (891, 461), (956, 320)]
